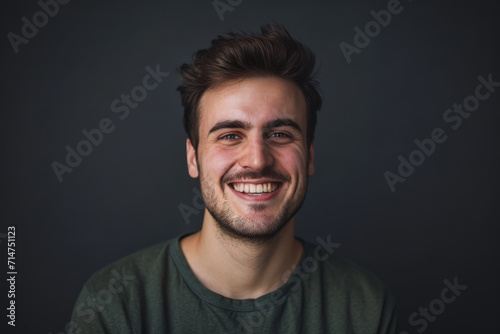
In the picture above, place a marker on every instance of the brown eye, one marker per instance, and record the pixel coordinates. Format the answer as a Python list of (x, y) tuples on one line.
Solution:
[(280, 135), (230, 136)]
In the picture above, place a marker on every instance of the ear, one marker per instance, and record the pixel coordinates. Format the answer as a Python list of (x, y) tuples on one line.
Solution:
[(310, 162), (191, 160)]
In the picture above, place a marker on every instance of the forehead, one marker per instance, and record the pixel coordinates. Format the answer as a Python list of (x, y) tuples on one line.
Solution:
[(253, 100)]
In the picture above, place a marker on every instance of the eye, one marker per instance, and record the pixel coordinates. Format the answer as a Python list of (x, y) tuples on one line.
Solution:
[(280, 135), (230, 136)]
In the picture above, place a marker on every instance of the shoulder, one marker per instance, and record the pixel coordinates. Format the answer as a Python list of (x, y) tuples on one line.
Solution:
[(341, 279), (131, 268), (351, 291), (337, 271), (111, 298), (135, 278), (352, 275)]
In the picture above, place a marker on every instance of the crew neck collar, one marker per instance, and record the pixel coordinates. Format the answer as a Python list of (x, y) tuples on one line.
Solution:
[(218, 300)]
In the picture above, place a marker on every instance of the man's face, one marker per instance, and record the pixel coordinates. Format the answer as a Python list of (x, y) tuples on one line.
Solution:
[(252, 157)]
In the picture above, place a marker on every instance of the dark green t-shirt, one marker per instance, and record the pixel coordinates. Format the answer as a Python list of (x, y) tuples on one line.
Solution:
[(155, 291)]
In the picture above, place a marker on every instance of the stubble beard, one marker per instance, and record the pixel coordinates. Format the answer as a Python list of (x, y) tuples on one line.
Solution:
[(244, 229)]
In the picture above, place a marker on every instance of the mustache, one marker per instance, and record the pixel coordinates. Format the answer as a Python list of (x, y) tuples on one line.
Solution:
[(254, 175)]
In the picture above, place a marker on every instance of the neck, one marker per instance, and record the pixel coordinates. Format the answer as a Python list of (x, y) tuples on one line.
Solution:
[(238, 269)]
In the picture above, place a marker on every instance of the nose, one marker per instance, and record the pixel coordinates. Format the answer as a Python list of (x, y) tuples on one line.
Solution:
[(256, 154)]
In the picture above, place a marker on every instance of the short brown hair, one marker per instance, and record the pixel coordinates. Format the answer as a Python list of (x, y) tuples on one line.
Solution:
[(273, 52)]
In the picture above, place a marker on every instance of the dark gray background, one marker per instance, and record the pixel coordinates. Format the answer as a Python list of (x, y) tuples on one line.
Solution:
[(439, 224)]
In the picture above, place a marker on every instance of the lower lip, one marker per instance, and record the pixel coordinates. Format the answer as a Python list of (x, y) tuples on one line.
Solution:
[(256, 198)]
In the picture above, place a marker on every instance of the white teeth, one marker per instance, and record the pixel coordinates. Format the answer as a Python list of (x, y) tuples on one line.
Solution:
[(255, 189)]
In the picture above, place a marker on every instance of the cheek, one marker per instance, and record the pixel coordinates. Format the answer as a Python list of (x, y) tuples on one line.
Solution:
[(293, 160), (217, 162)]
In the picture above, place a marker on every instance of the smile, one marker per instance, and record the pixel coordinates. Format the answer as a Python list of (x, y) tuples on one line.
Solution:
[(258, 189)]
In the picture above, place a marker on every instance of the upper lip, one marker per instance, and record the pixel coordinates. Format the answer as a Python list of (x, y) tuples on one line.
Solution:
[(254, 181)]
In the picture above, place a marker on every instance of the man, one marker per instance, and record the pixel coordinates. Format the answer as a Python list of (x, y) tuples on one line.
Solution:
[(250, 106)]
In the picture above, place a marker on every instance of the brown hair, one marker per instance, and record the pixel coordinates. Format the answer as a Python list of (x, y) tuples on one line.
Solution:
[(273, 52)]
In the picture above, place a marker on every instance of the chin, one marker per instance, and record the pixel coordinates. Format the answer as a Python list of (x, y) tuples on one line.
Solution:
[(253, 228)]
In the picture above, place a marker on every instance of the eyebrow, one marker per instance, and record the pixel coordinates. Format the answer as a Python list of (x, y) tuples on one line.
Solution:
[(234, 124), (282, 122), (230, 124)]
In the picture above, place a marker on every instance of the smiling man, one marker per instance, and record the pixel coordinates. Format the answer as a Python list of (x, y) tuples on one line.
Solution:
[(250, 105)]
